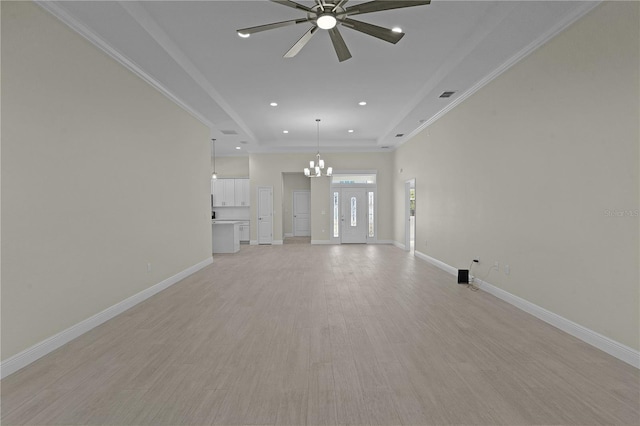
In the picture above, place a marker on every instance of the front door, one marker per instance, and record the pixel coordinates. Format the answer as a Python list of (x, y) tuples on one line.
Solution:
[(301, 213), (354, 215), (265, 215)]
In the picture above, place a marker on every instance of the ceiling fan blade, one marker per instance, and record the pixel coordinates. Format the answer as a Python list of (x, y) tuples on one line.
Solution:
[(300, 43), (339, 45), (373, 30), (266, 27), (339, 4), (376, 6), (292, 4)]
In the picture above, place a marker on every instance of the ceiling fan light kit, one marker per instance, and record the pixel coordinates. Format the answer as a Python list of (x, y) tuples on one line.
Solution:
[(329, 15)]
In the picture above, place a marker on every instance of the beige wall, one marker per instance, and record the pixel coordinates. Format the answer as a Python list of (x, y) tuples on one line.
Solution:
[(524, 172), (101, 174), (231, 167), (267, 169), (291, 182)]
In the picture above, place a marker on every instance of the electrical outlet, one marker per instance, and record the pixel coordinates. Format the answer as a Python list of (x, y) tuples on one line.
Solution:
[(507, 270), (149, 267), (496, 265)]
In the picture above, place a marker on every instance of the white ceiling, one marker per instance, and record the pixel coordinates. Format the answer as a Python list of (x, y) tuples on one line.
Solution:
[(190, 51)]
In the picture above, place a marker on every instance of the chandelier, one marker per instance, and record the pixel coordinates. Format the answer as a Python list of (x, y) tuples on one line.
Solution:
[(317, 165)]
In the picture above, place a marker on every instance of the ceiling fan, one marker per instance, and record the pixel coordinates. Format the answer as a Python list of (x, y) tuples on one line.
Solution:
[(328, 14)]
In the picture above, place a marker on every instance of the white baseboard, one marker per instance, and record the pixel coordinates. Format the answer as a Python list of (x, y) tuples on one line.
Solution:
[(276, 242), (597, 340), (37, 351), (435, 262), (253, 242), (288, 234), (399, 245)]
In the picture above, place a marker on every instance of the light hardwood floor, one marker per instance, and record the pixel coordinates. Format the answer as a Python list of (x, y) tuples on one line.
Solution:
[(323, 335)]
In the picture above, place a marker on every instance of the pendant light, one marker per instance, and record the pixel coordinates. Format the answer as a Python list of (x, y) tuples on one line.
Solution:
[(318, 165), (214, 175)]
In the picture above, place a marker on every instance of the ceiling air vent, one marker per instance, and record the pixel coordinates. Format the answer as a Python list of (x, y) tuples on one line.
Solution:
[(228, 132), (446, 94), (399, 135), (385, 147)]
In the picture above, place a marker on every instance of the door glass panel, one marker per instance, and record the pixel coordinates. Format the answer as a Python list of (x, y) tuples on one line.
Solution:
[(354, 207), (336, 217), (371, 222)]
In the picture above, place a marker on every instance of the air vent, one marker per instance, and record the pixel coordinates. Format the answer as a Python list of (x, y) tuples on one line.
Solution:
[(446, 94), (385, 147), (399, 135), (243, 142), (228, 132)]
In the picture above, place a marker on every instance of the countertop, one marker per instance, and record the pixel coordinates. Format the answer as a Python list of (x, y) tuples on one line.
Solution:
[(225, 222)]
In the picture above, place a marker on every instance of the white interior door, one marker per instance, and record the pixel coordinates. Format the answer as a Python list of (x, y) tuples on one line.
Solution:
[(301, 213), (265, 215), (354, 215)]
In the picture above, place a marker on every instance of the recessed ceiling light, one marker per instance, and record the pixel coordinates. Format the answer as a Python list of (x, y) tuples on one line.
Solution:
[(273, 104), (285, 131), (350, 130), (237, 147), (362, 103), (396, 29), (243, 35)]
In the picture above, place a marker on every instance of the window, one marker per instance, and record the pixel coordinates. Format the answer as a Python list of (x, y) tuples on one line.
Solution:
[(354, 207), (412, 201), (359, 179), (371, 233), (336, 215)]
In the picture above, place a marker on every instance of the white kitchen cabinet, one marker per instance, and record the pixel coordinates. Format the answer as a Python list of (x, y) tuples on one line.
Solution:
[(225, 235), (241, 192), (223, 192), (244, 231)]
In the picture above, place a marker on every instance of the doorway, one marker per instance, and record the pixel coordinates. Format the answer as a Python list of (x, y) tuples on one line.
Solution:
[(265, 215), (410, 215), (354, 215), (301, 213), (353, 207)]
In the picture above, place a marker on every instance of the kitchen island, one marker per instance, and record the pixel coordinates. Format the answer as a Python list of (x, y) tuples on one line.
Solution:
[(225, 235)]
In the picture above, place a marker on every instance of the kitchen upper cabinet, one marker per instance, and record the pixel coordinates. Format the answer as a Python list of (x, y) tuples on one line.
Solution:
[(230, 192), (223, 192), (242, 192)]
